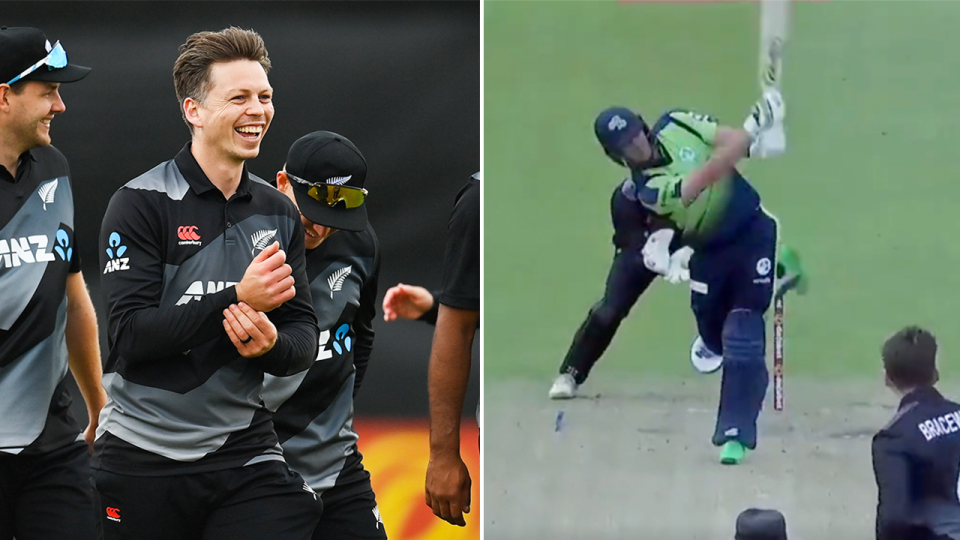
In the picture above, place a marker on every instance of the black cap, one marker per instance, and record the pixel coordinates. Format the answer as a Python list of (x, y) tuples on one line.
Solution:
[(757, 524), (323, 157), (22, 47)]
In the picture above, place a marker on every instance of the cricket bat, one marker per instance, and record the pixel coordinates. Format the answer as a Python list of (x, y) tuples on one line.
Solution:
[(774, 26)]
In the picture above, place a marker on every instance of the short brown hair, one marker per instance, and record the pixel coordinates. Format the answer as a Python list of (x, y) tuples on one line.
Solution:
[(910, 357), (18, 87), (191, 72)]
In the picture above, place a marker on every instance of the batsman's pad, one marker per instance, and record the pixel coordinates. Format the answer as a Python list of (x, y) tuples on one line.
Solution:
[(757, 524), (743, 337)]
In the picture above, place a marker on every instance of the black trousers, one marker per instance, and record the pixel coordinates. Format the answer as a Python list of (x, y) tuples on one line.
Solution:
[(256, 502), (356, 517), (627, 279), (47, 496)]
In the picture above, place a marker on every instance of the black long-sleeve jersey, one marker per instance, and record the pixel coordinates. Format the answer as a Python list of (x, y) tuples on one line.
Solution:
[(916, 461), (181, 398), (314, 409)]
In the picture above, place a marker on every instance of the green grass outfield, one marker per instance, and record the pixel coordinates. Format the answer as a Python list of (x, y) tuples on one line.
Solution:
[(867, 191)]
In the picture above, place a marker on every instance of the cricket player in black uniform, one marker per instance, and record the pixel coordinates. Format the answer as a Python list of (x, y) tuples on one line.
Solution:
[(206, 286), (458, 318), (313, 411), (916, 457), (47, 321), (627, 279)]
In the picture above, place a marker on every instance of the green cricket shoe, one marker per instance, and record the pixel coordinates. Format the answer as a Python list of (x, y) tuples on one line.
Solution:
[(790, 273), (732, 453)]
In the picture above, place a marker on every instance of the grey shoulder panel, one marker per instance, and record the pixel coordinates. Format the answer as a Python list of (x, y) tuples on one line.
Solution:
[(259, 180), (164, 178)]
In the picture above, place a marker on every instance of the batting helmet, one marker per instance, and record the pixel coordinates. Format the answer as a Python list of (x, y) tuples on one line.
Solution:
[(756, 524), (615, 127)]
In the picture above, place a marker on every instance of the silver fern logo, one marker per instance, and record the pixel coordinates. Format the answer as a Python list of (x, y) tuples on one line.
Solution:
[(337, 278), (261, 239), (47, 191), (339, 180)]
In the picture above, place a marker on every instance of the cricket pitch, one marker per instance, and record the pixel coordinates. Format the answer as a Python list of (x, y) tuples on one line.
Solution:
[(634, 460)]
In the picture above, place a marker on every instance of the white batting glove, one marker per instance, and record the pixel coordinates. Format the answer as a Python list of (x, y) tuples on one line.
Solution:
[(769, 110), (770, 143), (656, 252), (679, 270)]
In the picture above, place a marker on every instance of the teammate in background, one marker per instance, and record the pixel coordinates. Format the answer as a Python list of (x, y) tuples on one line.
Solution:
[(313, 413), (916, 456), (457, 317), (683, 169), (206, 286), (410, 302), (448, 482), (47, 320)]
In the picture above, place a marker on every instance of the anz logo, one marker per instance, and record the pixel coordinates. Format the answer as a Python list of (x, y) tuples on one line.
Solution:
[(15, 252), (196, 291), (342, 342), (63, 248), (117, 261)]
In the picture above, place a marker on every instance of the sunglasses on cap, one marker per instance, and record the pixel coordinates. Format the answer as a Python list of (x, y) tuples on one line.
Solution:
[(332, 194), (55, 60)]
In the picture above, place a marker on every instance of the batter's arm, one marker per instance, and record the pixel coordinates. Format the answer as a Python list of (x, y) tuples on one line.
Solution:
[(730, 146)]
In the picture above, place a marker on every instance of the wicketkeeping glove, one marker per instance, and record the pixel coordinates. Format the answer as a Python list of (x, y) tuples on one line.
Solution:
[(679, 270), (656, 252)]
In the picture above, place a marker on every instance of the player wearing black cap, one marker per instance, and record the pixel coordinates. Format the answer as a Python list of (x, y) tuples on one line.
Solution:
[(916, 456), (313, 411), (47, 321)]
